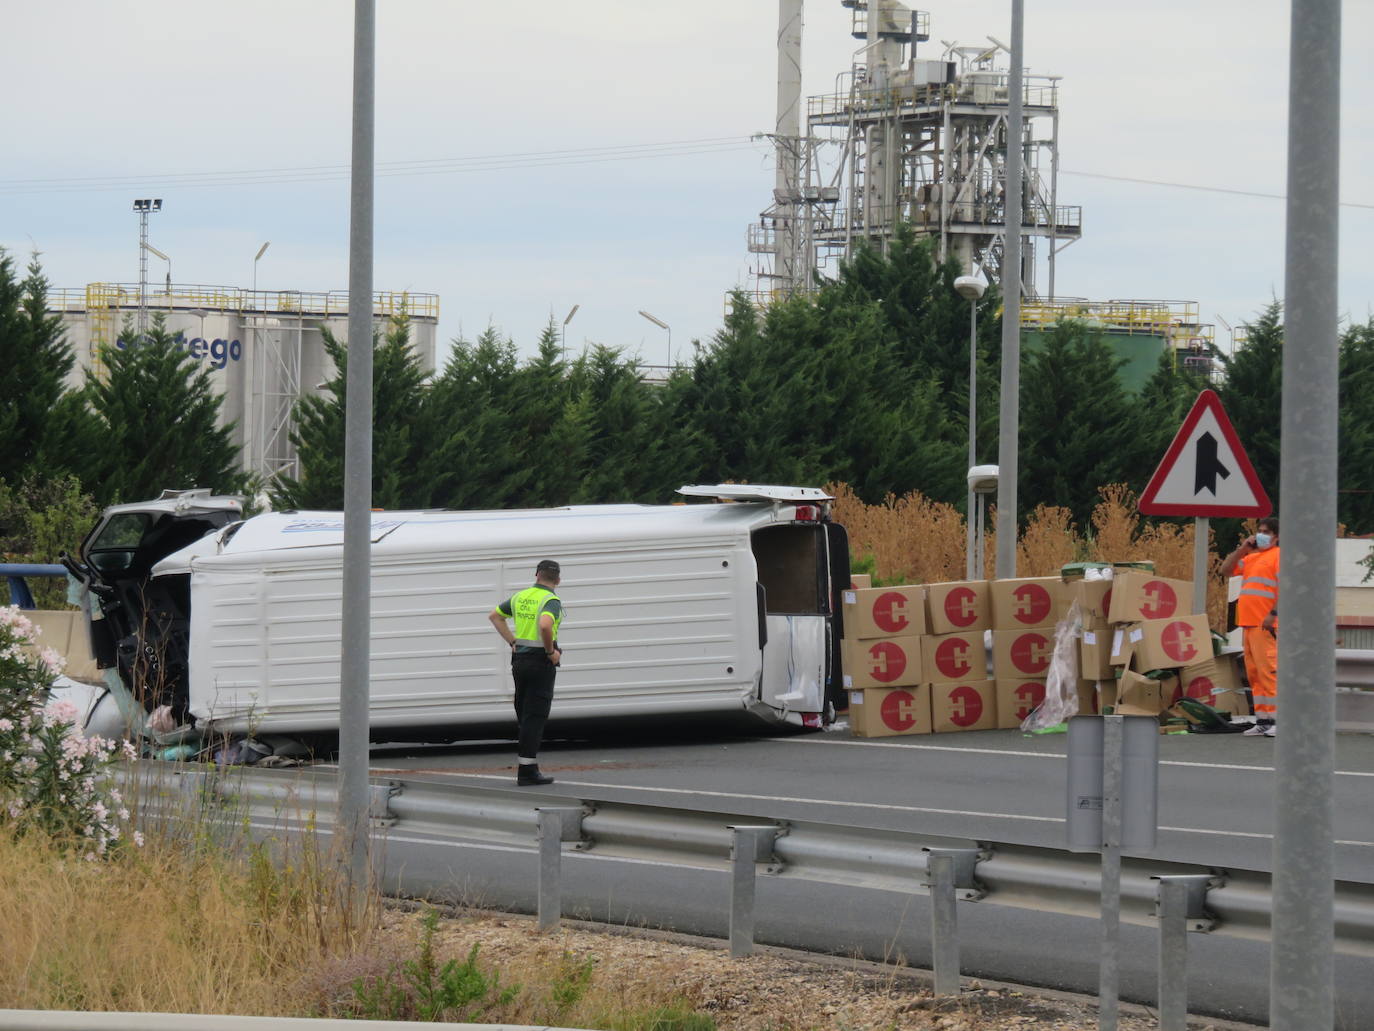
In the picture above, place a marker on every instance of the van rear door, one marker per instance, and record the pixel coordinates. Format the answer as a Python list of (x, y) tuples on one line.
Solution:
[(793, 561)]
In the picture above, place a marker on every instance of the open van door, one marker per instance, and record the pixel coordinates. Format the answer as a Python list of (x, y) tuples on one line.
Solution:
[(136, 624)]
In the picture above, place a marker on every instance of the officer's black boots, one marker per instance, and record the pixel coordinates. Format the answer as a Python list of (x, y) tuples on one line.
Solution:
[(528, 775)]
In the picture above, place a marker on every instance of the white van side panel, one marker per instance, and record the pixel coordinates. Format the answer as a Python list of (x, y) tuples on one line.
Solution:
[(651, 626)]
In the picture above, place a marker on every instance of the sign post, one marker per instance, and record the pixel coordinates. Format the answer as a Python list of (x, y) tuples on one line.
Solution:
[(1112, 804), (1205, 474)]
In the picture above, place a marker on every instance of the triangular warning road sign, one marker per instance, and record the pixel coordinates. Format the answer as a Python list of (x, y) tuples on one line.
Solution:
[(1205, 472)]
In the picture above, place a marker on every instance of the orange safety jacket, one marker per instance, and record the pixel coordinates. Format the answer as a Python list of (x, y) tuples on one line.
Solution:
[(1259, 586)]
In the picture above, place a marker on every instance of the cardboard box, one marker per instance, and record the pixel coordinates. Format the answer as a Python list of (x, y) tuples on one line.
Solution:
[(860, 581), (1143, 596), (1087, 697), (884, 612), (969, 705), (949, 658), (1022, 653), (1237, 703), (888, 712), (1094, 597), (1138, 695), (1016, 699), (1170, 643), (1095, 654), (1206, 679), (956, 608), (1122, 646), (1023, 604), (883, 662)]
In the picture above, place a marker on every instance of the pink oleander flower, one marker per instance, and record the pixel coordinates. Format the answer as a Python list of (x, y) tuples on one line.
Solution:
[(53, 659), (63, 711)]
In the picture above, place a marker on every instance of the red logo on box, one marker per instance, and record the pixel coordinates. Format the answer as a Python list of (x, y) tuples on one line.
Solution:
[(1161, 601), (1032, 603), (1030, 696), (898, 710), (1201, 687), (967, 706), (1177, 642), (961, 606), (1030, 653), (886, 662), (951, 658), (889, 612)]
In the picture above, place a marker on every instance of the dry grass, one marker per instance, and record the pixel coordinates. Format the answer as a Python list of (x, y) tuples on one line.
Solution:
[(915, 540), (180, 925), (912, 539)]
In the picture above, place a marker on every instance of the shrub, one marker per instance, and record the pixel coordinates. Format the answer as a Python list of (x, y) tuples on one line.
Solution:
[(51, 777)]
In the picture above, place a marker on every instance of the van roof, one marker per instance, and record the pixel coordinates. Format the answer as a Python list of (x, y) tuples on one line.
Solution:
[(501, 533)]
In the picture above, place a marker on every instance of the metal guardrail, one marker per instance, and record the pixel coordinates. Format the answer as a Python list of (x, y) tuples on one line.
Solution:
[(1237, 903)]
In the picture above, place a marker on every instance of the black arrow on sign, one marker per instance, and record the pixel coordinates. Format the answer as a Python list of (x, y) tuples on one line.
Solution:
[(1206, 467)]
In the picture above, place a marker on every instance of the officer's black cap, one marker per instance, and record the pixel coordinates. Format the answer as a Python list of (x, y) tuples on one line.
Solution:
[(548, 567)]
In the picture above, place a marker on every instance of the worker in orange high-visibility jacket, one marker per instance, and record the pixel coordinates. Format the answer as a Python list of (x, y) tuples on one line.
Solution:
[(1257, 613)]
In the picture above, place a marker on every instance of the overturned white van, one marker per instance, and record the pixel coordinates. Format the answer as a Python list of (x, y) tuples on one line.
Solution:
[(725, 606)]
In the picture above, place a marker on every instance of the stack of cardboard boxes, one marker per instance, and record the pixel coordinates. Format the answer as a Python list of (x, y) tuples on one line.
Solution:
[(1145, 650), (882, 659), (915, 657)]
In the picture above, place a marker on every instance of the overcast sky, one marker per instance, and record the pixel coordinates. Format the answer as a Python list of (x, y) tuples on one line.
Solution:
[(115, 101)]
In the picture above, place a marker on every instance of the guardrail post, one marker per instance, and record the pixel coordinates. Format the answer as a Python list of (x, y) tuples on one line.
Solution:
[(379, 796), (1182, 898), (946, 870), (748, 845), (944, 925), (556, 824)]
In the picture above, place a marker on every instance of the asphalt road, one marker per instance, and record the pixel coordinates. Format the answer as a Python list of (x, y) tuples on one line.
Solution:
[(1215, 792)]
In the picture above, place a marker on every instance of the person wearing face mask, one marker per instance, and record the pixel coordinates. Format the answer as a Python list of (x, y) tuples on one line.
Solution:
[(1257, 613)]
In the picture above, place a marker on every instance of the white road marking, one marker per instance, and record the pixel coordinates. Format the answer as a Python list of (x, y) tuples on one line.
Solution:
[(1253, 834), (1033, 755), (780, 798)]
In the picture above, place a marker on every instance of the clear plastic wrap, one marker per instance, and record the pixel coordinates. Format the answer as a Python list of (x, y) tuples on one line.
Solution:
[(1061, 681)]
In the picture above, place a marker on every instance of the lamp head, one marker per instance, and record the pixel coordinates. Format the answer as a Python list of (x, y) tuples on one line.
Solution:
[(982, 479), (970, 288)]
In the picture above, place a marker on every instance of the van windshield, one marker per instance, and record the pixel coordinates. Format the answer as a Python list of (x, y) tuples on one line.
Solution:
[(114, 548)]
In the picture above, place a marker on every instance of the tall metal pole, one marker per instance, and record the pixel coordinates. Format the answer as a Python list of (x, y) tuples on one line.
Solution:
[(1301, 959), (1008, 438), (973, 573), (356, 649), (787, 269), (142, 272)]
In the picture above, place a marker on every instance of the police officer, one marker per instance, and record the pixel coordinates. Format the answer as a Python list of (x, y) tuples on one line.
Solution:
[(535, 658)]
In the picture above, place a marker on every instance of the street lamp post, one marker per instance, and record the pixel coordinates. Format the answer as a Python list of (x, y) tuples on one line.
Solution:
[(256, 258), (971, 288), (563, 339), (662, 325), (158, 254), (982, 482), (144, 206)]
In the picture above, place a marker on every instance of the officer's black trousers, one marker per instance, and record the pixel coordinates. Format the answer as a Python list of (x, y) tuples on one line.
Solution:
[(534, 675)]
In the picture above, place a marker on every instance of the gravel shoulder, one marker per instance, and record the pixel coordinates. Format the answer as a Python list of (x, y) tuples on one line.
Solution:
[(775, 989)]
